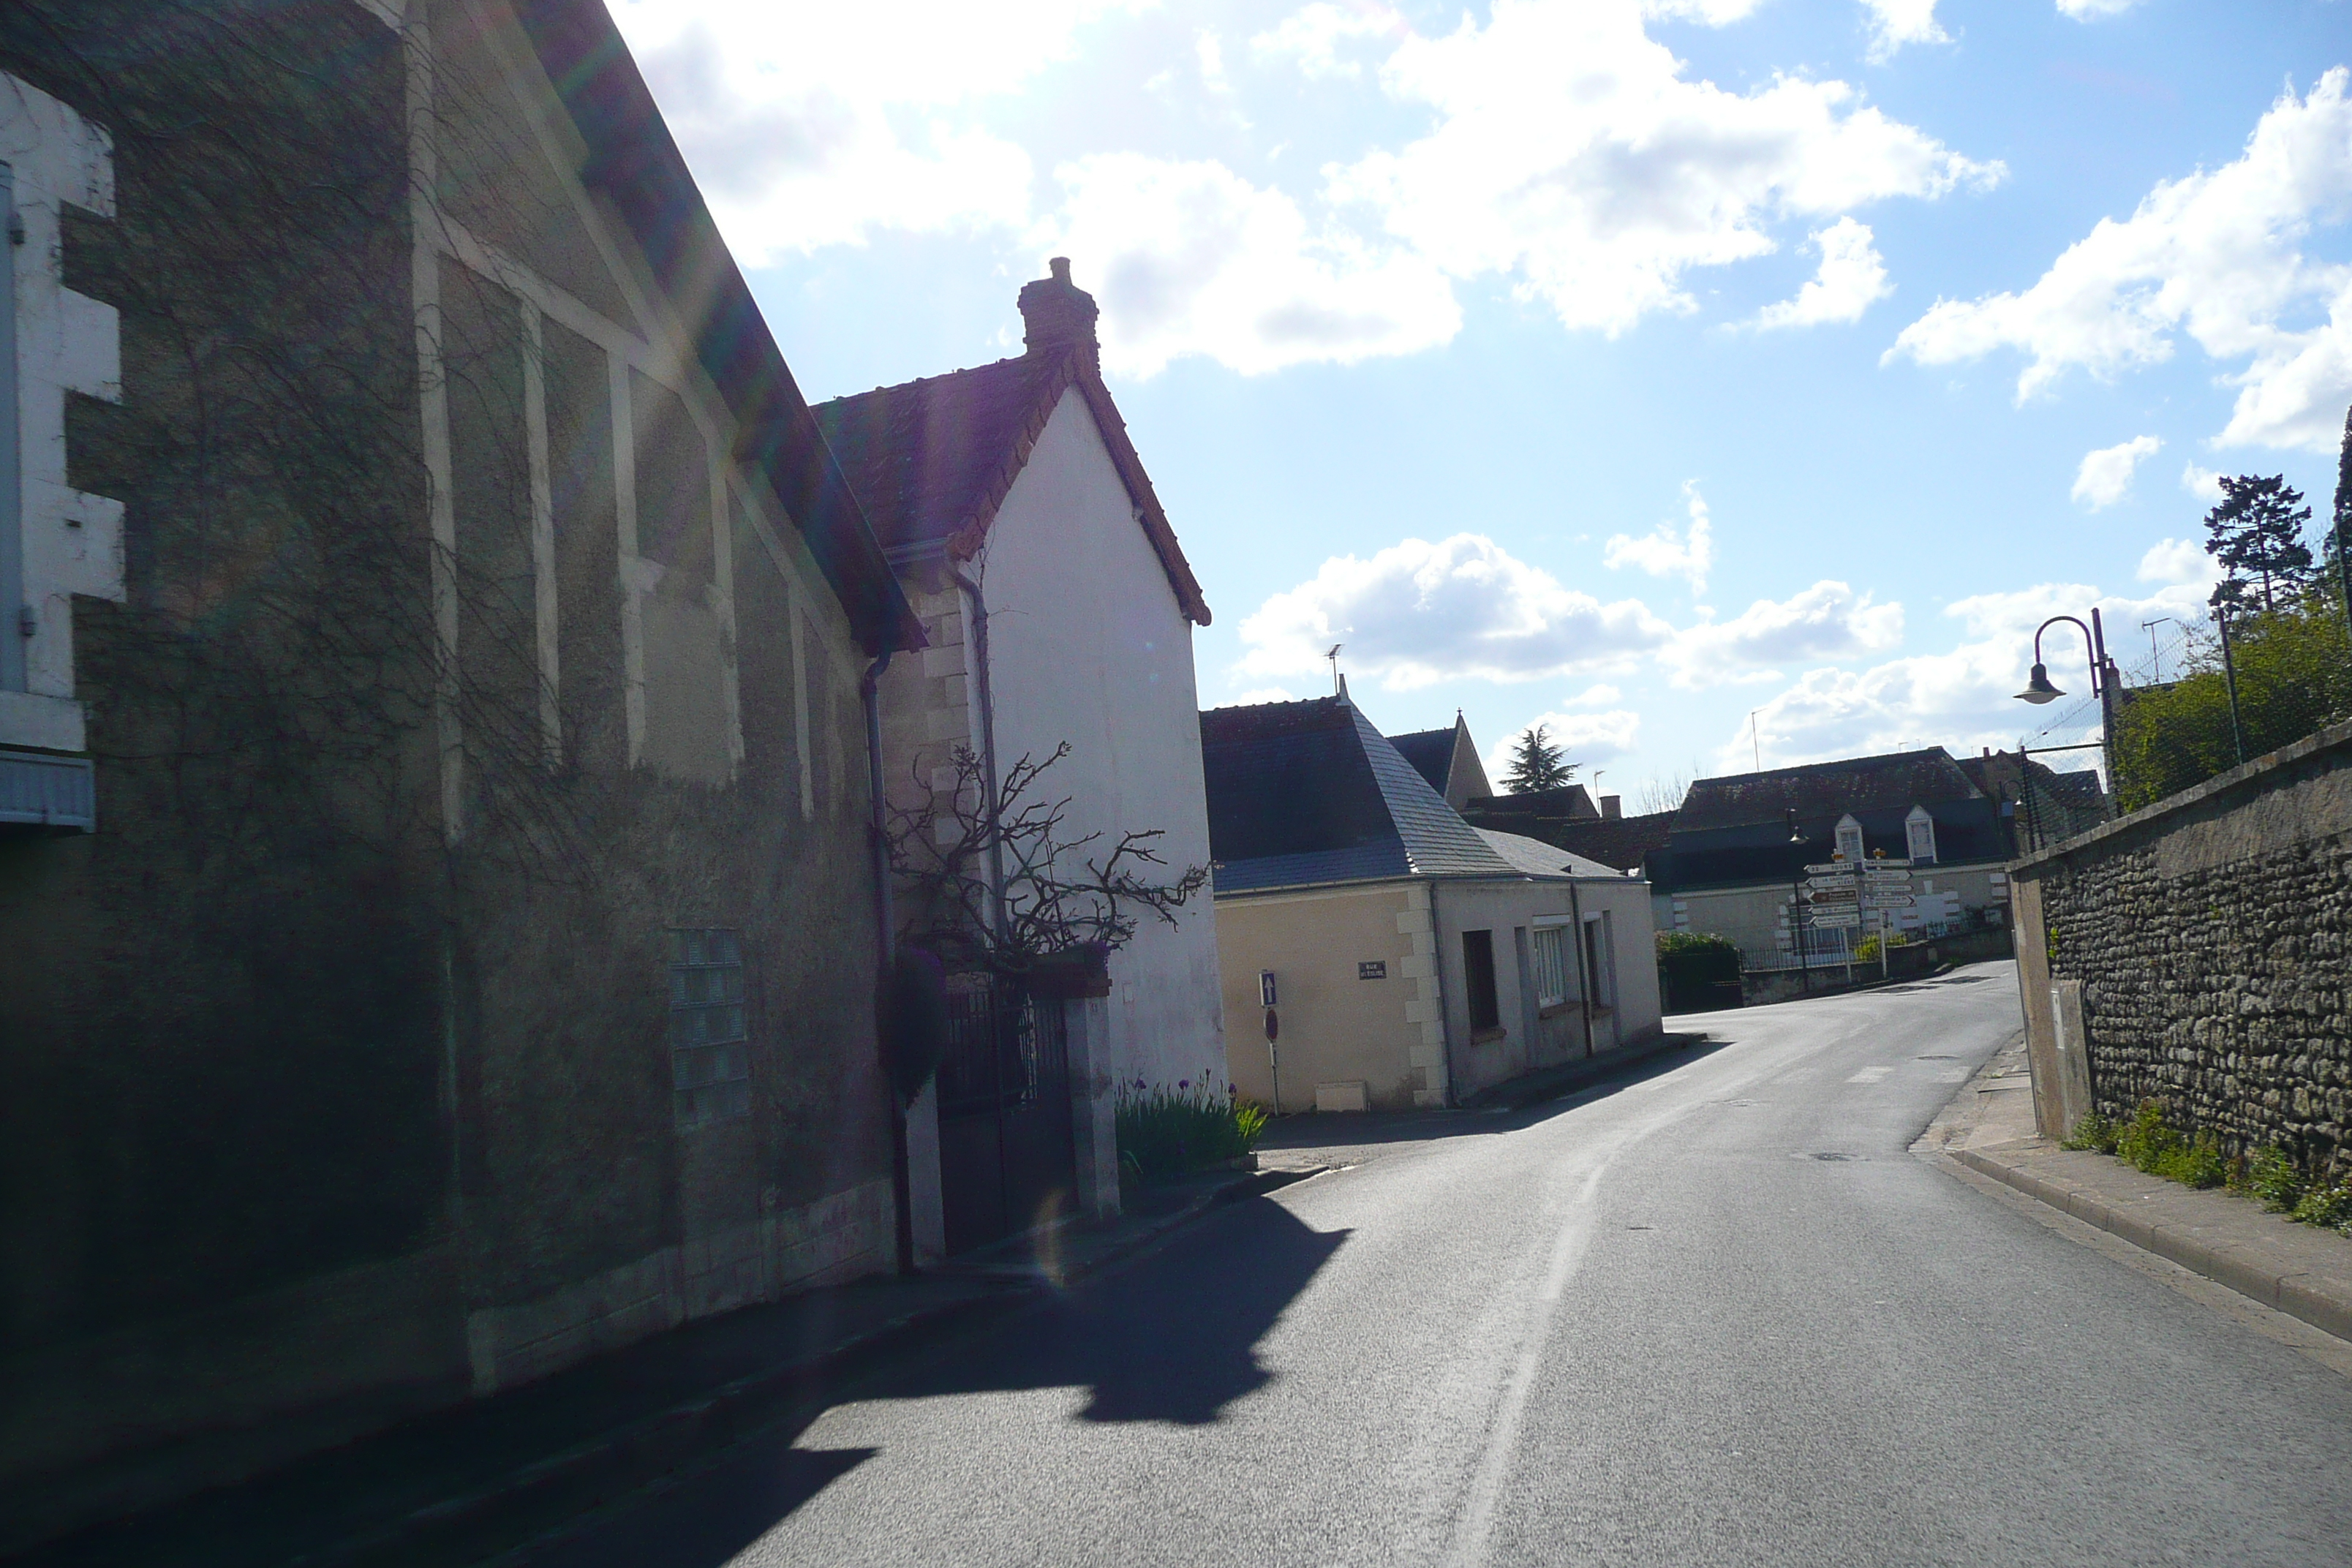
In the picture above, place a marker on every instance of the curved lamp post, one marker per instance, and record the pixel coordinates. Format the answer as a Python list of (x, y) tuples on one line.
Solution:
[(1797, 908), (2040, 689)]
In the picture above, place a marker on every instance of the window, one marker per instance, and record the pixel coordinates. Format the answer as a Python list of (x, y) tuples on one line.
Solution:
[(1552, 967), (709, 1048), (1919, 835), (1478, 974), (1849, 838)]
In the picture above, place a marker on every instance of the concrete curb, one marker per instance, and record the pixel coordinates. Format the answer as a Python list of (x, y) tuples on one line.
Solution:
[(644, 1449), (2324, 1302)]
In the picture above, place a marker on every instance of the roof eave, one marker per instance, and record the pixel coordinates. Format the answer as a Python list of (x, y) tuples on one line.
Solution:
[(633, 161)]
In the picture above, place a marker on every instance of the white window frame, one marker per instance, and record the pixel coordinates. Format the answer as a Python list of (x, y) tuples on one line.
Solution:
[(1849, 837), (1919, 835), (1549, 950)]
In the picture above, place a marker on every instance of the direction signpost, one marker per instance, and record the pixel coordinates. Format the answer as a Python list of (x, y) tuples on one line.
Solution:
[(1841, 892)]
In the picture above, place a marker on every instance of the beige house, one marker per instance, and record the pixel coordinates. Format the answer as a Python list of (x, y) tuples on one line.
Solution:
[(1410, 959)]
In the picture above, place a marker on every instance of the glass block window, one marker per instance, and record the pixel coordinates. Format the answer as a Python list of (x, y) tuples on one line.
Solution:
[(709, 1046)]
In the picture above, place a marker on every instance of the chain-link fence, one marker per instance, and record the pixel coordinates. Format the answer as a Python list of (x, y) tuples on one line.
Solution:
[(2285, 673)]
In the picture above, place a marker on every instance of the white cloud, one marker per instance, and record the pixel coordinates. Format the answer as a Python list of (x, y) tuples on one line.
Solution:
[(1313, 34), (2092, 10), (1895, 23), (1828, 620), (1418, 613), (1211, 50), (813, 127), (1572, 153), (2219, 256), (2176, 560), (1191, 258), (1713, 13), (2106, 476), (1667, 550), (2205, 484), (1853, 278), (1583, 739), (1599, 695), (1962, 699)]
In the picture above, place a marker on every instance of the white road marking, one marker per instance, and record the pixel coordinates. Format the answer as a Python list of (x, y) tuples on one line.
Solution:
[(1870, 1075)]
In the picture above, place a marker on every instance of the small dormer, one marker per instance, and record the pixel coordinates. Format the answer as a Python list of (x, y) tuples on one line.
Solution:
[(1849, 838), (1919, 835)]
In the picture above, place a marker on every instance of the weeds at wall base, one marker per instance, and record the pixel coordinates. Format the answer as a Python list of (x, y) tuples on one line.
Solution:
[(2268, 1175)]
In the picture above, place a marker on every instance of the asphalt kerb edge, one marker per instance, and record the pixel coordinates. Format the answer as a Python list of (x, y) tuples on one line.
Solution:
[(2219, 1262)]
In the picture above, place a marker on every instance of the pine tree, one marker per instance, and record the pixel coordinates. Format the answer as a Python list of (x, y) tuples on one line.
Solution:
[(2331, 561), (1536, 765), (2258, 530)]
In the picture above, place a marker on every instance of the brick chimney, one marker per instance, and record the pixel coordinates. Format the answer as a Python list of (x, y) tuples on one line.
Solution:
[(1057, 313), (1612, 805)]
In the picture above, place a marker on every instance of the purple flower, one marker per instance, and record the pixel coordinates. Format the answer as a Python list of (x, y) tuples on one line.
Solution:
[(1183, 1083)]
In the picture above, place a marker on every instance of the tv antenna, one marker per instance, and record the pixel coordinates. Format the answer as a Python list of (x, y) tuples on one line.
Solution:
[(1334, 657)]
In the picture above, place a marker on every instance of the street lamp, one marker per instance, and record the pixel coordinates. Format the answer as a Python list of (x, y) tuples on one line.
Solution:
[(2038, 688), (1797, 908)]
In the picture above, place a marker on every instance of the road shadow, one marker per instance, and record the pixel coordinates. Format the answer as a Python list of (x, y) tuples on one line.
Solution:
[(1323, 1130), (1170, 1337)]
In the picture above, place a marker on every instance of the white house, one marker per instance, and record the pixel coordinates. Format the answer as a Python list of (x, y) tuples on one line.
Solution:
[(1060, 611)]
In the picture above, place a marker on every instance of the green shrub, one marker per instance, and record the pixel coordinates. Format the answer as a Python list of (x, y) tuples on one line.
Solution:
[(2147, 1138), (2329, 1204), (2194, 1162), (2093, 1133), (1164, 1133), (2273, 1180)]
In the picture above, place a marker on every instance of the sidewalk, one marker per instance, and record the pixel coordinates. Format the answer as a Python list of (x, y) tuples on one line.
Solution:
[(2297, 1269), (470, 1480)]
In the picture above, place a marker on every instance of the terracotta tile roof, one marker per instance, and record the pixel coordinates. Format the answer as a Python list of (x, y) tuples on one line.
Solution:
[(933, 460)]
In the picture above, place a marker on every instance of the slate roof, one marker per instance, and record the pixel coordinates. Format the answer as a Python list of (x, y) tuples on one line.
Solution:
[(1852, 784), (1431, 753), (633, 162), (1623, 843), (2081, 785), (1302, 794), (932, 459), (1537, 858)]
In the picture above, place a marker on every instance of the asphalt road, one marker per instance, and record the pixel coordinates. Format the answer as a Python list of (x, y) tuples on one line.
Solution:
[(1717, 1315)]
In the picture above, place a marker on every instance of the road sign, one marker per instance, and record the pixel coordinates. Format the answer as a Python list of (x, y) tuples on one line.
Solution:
[(1846, 867), (1886, 878), (1890, 900), (1842, 881), (1825, 920), (1820, 895)]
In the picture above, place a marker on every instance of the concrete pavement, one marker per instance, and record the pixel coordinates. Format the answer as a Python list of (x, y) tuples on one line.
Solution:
[(1717, 1315)]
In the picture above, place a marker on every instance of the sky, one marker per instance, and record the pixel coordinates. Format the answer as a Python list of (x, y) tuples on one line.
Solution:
[(1715, 381)]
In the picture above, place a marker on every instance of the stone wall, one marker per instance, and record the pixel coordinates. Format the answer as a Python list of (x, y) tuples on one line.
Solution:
[(2208, 935)]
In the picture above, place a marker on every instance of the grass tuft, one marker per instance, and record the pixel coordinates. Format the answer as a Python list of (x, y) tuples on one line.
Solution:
[(1164, 1133)]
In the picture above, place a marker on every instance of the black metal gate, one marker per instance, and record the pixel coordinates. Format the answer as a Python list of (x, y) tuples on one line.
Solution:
[(1007, 1144)]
